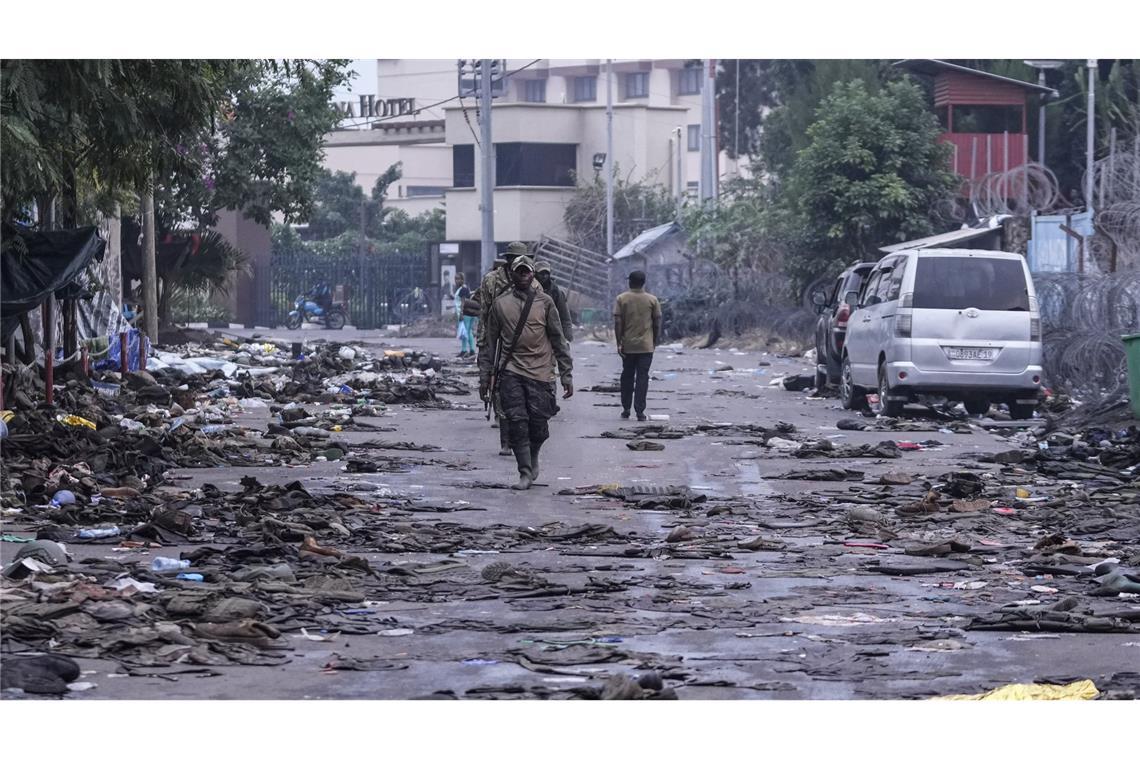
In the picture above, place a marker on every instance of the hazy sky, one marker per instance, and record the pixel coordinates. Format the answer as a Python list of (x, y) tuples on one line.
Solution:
[(364, 82)]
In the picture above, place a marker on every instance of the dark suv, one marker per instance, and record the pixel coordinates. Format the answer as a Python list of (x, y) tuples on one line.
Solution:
[(831, 329)]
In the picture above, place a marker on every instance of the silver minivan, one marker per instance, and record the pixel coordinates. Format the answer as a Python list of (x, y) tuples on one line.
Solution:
[(958, 324)]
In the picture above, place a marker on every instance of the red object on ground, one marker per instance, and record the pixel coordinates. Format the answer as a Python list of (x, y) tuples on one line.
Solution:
[(49, 351), (865, 545), (909, 446)]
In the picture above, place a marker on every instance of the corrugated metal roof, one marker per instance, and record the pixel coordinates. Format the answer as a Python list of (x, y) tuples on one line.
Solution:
[(645, 240), (931, 66), (936, 241)]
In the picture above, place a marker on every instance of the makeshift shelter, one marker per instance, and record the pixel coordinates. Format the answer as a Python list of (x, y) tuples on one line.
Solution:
[(36, 264)]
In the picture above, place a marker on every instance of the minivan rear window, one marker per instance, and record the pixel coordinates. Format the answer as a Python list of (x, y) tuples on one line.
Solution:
[(961, 282)]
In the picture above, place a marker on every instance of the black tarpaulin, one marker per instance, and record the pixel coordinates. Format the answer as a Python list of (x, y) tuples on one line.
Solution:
[(48, 262)]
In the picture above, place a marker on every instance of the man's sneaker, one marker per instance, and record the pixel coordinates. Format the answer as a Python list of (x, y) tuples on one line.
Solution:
[(625, 414), (641, 417)]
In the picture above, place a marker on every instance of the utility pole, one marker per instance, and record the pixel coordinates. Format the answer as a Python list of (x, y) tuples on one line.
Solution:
[(610, 157), (1090, 135), (150, 272), (736, 122), (680, 170), (1041, 120), (708, 133), (487, 189)]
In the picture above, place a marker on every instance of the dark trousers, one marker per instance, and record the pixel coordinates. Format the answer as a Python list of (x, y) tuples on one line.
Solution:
[(635, 380), (527, 405)]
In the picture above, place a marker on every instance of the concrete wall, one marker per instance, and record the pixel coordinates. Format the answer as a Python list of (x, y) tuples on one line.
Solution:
[(252, 239)]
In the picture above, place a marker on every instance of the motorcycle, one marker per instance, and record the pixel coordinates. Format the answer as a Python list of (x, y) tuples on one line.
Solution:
[(306, 310)]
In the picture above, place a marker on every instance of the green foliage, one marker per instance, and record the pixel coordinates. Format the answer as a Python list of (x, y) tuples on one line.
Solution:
[(210, 134), (262, 153), (339, 203), (110, 123), (638, 206), (804, 87), (334, 229), (205, 271), (871, 175)]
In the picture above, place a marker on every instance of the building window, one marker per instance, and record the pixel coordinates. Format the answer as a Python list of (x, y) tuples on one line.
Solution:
[(534, 91), (694, 137), (689, 81), (637, 85), (943, 114), (424, 191), (585, 89), (991, 120), (692, 189), (535, 164), (463, 165)]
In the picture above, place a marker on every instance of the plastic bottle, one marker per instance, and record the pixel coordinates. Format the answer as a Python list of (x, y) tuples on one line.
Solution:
[(195, 577), (98, 532), (214, 429), (167, 565)]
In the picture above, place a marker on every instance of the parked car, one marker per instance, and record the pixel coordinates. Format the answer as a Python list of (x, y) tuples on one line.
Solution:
[(831, 329), (959, 324)]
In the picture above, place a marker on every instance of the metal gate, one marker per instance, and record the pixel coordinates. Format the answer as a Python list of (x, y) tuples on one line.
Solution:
[(379, 289)]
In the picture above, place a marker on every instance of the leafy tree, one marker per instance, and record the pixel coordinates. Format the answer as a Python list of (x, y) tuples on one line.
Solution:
[(338, 201), (109, 124), (872, 174), (262, 153), (335, 226), (638, 206)]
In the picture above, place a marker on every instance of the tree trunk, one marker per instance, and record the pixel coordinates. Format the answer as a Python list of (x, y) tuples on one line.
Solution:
[(150, 275)]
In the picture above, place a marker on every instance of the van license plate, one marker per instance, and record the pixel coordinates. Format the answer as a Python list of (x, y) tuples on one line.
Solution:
[(975, 354)]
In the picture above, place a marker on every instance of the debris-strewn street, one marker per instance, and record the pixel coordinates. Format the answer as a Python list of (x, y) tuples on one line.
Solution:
[(238, 523)]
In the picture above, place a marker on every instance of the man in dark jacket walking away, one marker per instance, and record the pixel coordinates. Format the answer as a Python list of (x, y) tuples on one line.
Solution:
[(523, 340), (637, 327)]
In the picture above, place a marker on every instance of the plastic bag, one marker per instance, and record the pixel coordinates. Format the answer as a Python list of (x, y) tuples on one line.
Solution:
[(1018, 692)]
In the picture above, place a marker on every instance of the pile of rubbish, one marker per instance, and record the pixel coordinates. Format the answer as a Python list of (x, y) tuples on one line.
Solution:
[(201, 407)]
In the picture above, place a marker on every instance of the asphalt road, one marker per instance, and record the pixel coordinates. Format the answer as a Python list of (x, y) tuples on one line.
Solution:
[(805, 622)]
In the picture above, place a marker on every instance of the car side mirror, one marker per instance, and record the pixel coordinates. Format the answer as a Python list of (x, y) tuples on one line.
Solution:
[(819, 298)]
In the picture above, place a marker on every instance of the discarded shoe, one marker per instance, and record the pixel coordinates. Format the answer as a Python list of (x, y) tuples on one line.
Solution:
[(39, 674)]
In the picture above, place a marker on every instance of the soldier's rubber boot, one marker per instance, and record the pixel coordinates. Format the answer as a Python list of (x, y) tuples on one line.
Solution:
[(534, 449), (504, 440), (526, 478)]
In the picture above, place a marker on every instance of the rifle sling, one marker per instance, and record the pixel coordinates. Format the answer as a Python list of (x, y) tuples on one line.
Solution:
[(506, 359)]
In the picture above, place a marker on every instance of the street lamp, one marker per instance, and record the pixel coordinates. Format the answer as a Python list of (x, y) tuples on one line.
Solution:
[(1042, 65)]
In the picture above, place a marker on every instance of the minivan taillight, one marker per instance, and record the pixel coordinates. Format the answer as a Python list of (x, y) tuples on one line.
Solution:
[(842, 315), (902, 325), (1035, 329)]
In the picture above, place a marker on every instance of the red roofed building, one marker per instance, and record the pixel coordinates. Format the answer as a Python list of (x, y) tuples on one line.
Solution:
[(983, 115)]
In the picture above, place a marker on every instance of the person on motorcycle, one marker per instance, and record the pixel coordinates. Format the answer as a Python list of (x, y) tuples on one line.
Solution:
[(321, 295)]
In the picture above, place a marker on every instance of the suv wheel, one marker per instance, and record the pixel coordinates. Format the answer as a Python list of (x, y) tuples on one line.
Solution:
[(887, 408), (850, 395)]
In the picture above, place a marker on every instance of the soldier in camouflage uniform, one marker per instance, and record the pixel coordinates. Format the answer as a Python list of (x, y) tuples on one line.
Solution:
[(494, 284)]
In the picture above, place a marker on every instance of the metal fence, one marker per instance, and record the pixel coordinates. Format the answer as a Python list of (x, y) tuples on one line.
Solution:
[(379, 289)]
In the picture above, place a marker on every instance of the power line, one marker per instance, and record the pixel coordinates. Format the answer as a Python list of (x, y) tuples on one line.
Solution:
[(378, 119)]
